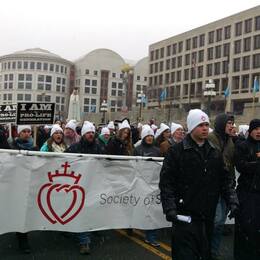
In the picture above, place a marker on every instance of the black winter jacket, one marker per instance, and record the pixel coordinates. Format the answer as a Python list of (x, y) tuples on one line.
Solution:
[(192, 179), (116, 146), (147, 150), (85, 147), (248, 164)]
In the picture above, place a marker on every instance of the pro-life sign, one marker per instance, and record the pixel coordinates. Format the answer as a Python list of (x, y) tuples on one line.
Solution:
[(7, 113), (35, 113)]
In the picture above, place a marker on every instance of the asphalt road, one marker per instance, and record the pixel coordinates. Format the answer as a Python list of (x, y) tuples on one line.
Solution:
[(108, 245)]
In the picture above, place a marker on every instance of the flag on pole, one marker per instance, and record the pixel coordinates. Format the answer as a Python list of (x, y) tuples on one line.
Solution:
[(163, 95), (256, 85), (226, 92), (144, 100)]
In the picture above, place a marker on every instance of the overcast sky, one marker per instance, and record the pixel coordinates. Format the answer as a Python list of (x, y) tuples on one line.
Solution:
[(73, 28)]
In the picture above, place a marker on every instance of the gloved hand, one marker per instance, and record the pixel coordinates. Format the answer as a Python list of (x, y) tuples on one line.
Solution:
[(233, 211), (171, 215)]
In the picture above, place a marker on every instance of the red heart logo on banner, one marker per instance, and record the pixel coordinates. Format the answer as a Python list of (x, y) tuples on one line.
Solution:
[(71, 212)]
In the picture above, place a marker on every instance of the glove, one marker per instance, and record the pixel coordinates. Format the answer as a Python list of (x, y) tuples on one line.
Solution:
[(171, 215), (233, 211)]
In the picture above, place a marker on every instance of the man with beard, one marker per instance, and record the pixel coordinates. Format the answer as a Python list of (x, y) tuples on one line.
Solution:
[(222, 140), (247, 224), (86, 145), (192, 179)]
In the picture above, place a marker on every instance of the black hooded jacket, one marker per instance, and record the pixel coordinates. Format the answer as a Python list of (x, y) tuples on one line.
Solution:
[(85, 147)]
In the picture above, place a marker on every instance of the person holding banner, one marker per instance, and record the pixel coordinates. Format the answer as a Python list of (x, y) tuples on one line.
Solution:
[(56, 142), (148, 149), (191, 180), (24, 142), (86, 145)]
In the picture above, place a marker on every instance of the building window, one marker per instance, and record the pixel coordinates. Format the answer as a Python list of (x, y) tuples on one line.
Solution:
[(180, 47), (8, 81), (25, 65), (237, 47), (187, 59), (257, 42), (44, 82), (169, 50), (200, 71), (210, 53), (94, 83), (248, 25), (151, 56), (161, 65), (87, 90), (173, 63), (186, 74), (168, 64), (162, 52), (218, 52), (211, 37), (188, 41), (178, 75), (217, 68), (27, 97), (32, 65), (194, 42), (219, 35), (225, 66), (256, 61), (87, 82), (51, 67), (39, 66), (19, 97), (151, 68), (94, 91), (202, 40), (172, 77), (245, 82), (257, 23), (201, 55), (236, 65), (246, 63), (226, 49), (247, 44), (209, 70), (95, 73), (19, 64), (238, 28), (87, 72), (155, 67), (13, 65), (113, 75), (174, 48), (45, 66), (235, 82), (179, 61), (25, 81)]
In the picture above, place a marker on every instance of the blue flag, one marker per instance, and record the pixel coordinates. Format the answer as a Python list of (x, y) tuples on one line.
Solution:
[(163, 95), (144, 100), (226, 92), (256, 85)]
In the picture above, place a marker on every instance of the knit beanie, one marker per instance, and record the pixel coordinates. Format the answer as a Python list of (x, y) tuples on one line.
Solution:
[(196, 117), (105, 131), (72, 124), (253, 125), (111, 125), (174, 127), (20, 128), (146, 130), (87, 127), (124, 124), (56, 128)]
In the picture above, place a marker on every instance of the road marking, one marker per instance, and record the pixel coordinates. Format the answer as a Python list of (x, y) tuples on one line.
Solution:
[(146, 246), (162, 245)]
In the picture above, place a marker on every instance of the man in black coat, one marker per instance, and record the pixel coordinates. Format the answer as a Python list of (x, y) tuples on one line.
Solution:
[(247, 226), (86, 145), (192, 179)]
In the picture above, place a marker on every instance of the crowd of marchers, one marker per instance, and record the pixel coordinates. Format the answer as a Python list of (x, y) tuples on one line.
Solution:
[(208, 174)]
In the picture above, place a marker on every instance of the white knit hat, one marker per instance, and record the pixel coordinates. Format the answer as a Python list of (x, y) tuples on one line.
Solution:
[(56, 128), (20, 128), (174, 127), (162, 128), (146, 130), (105, 131), (242, 129), (111, 125), (72, 124), (196, 117), (87, 127), (154, 127), (124, 124)]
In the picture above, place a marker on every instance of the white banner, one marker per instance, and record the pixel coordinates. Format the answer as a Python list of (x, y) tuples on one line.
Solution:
[(78, 193)]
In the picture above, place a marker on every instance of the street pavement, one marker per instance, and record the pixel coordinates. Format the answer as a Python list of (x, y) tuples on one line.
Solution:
[(106, 245)]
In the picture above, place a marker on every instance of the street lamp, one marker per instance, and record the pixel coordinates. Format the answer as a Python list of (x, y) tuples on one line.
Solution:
[(209, 92), (140, 100), (103, 109)]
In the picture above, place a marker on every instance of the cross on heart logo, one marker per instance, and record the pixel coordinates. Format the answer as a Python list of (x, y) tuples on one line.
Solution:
[(74, 193)]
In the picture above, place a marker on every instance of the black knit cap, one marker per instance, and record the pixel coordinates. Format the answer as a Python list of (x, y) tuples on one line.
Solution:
[(253, 125)]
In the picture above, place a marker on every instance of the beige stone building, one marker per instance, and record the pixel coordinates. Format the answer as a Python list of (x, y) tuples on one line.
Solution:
[(227, 51)]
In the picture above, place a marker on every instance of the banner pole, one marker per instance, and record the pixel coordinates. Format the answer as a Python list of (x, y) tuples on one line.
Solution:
[(34, 135)]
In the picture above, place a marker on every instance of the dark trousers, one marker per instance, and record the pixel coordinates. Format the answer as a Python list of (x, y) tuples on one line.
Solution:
[(247, 227), (192, 241)]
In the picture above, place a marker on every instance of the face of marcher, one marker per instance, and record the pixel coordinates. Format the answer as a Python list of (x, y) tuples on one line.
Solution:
[(106, 136), (125, 133), (149, 139), (178, 134), (25, 134), (68, 132), (200, 133), (255, 134), (167, 134), (57, 137), (229, 127), (90, 136)]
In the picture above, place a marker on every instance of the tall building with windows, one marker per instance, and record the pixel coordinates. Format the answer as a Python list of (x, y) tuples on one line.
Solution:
[(35, 75), (227, 51)]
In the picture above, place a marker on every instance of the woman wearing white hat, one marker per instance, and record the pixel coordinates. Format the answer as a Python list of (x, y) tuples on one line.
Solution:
[(70, 134), (177, 133), (56, 142), (163, 138), (121, 143), (103, 139)]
